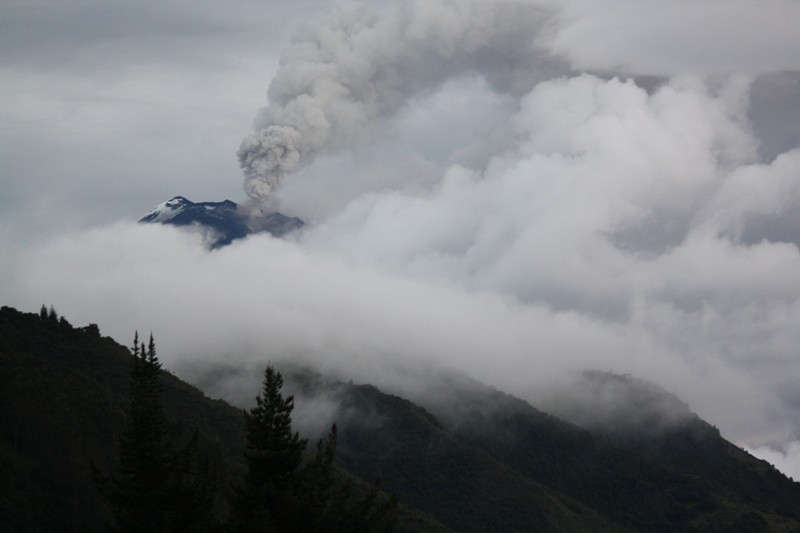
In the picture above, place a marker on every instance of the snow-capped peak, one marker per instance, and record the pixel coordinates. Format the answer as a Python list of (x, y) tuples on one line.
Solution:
[(166, 211), (222, 222)]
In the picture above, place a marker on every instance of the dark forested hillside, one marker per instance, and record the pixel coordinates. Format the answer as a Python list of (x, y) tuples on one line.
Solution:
[(482, 460), (63, 401), (675, 476), (473, 459)]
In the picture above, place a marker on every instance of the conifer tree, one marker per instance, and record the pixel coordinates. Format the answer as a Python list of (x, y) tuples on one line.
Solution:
[(138, 492), (332, 507), (159, 487), (273, 456), (283, 494)]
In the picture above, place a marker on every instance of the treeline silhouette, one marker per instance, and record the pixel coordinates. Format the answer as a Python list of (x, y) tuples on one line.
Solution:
[(162, 485), (95, 436)]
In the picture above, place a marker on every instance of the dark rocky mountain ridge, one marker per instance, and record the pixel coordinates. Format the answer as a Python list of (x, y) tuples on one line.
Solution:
[(221, 222)]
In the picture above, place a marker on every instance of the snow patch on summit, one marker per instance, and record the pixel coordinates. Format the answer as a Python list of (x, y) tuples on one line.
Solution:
[(166, 211), (220, 222)]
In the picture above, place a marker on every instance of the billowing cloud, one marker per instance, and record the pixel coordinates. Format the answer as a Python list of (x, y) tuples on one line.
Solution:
[(653, 37), (363, 62)]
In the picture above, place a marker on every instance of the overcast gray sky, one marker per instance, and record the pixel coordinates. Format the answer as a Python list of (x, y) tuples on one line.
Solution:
[(512, 189)]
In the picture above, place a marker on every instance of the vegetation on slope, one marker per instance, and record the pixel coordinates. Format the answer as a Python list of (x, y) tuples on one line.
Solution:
[(477, 460)]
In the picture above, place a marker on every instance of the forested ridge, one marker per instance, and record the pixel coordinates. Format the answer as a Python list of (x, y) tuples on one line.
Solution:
[(67, 409)]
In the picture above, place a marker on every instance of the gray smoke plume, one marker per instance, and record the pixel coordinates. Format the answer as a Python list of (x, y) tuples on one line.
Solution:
[(364, 62)]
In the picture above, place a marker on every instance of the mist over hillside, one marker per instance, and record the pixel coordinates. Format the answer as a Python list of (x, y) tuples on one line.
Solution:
[(469, 458)]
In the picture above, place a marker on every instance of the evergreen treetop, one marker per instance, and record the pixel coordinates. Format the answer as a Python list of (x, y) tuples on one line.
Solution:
[(282, 493), (159, 487)]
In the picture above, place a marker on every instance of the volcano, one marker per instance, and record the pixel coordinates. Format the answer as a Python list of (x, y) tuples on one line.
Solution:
[(220, 222)]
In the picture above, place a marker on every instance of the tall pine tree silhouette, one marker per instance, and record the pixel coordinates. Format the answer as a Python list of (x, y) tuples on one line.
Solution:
[(137, 493), (159, 487), (273, 456), (283, 493)]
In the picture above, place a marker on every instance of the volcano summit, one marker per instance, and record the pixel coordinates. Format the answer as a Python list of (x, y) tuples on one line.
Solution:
[(220, 222)]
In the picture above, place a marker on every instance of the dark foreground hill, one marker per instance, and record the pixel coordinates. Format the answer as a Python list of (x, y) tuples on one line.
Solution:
[(482, 460), (474, 460)]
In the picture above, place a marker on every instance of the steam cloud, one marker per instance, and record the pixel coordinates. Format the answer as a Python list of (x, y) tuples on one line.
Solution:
[(362, 62)]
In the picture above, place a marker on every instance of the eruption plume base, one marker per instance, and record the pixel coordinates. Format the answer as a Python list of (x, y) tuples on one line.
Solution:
[(265, 156)]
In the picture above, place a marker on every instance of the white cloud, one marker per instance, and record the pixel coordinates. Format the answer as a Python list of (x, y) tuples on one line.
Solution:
[(787, 460), (680, 37)]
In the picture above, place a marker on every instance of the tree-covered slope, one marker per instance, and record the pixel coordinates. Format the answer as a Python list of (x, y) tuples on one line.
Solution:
[(63, 403), (475, 454), (473, 459), (436, 471), (63, 399), (647, 472)]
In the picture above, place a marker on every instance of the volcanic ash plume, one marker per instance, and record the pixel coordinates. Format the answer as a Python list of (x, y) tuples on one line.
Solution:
[(265, 156), (363, 62)]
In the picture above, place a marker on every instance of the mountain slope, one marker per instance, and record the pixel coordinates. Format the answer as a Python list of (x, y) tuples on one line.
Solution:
[(479, 459), (674, 475), (436, 471), (63, 398), (474, 459)]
